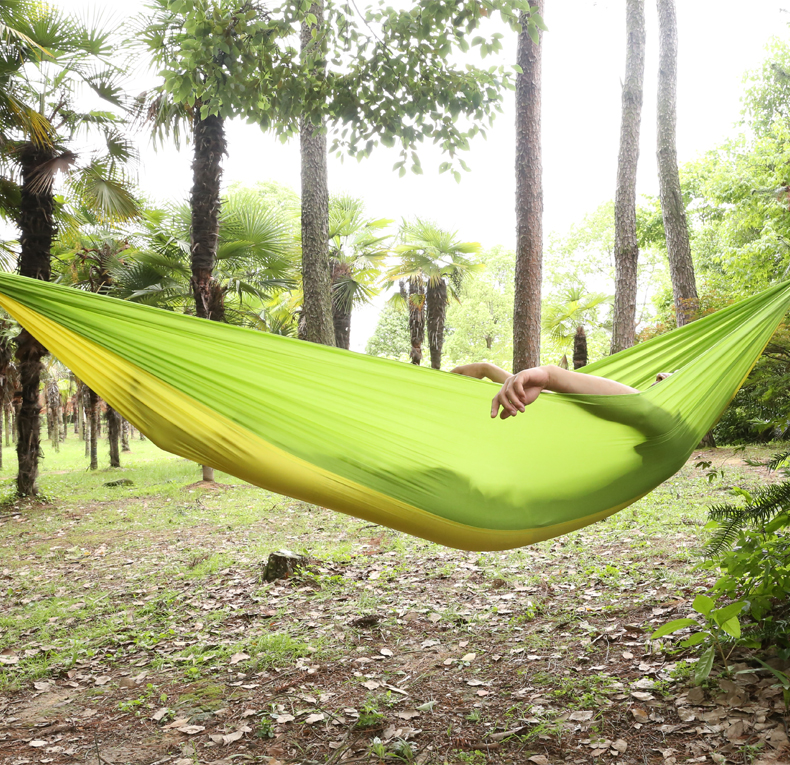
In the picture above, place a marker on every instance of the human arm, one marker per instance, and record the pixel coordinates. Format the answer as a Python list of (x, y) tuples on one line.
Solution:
[(481, 369), (522, 389)]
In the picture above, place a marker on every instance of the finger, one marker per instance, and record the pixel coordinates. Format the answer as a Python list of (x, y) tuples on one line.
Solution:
[(517, 394), (508, 403), (494, 406)]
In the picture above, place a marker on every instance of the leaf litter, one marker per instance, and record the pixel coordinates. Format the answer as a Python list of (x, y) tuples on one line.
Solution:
[(384, 644)]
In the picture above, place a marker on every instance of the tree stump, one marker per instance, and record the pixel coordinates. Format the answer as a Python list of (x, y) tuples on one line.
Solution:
[(282, 564)]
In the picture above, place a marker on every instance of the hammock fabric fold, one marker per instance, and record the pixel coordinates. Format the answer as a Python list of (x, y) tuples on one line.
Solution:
[(407, 447)]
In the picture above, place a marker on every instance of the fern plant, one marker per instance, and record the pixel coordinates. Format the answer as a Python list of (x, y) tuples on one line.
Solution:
[(750, 544)]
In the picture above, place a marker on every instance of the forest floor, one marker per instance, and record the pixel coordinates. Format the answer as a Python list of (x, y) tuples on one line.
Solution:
[(135, 628)]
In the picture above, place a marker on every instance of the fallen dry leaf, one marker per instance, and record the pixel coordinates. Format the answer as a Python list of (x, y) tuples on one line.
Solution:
[(191, 730), (177, 723)]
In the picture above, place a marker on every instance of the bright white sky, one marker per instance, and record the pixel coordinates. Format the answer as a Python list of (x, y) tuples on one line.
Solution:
[(584, 61)]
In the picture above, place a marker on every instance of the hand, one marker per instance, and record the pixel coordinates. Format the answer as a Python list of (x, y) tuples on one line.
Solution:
[(519, 391), (476, 370)]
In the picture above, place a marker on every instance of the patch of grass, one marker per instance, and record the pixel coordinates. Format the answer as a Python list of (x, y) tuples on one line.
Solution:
[(276, 649)]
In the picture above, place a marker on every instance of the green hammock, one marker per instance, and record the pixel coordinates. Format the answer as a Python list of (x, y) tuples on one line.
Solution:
[(407, 447)]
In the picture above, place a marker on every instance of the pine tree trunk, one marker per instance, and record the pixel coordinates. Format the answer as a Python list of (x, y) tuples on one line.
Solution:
[(210, 146), (114, 436), (529, 202), (580, 354), (681, 267), (416, 318), (626, 247), (436, 300), (125, 436), (93, 416), (316, 325), (37, 226)]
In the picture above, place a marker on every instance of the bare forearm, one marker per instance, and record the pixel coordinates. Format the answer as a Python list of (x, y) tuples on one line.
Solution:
[(564, 381), (481, 369), (520, 390), (495, 373)]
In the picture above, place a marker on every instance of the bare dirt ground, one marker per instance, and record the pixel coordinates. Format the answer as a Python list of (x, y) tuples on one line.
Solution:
[(136, 630)]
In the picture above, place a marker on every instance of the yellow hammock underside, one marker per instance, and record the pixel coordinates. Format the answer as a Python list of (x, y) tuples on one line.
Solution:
[(407, 447)]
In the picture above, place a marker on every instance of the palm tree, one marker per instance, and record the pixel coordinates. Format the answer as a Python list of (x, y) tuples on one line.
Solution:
[(257, 258), (357, 248), (564, 318), (78, 56), (432, 259)]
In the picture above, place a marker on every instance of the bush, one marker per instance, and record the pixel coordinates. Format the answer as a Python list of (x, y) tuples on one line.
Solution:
[(750, 546)]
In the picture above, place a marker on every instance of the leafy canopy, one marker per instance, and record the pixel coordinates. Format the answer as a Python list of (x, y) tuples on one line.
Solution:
[(379, 75)]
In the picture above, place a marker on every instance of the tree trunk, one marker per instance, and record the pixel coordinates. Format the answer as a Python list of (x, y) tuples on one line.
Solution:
[(416, 318), (114, 436), (580, 355), (681, 267), (52, 394), (37, 226), (93, 416), (125, 436), (210, 146), (341, 314), (7, 421), (436, 300), (626, 248), (529, 203), (316, 325)]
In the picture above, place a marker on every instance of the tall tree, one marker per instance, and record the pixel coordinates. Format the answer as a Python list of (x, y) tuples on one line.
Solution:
[(681, 266), (209, 54), (432, 257), (316, 320), (77, 57), (390, 79), (626, 246), (529, 196)]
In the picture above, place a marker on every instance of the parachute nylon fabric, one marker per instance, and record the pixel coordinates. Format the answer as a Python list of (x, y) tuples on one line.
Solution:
[(407, 447)]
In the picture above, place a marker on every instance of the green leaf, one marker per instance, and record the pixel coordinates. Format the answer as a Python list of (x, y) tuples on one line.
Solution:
[(695, 639), (673, 626), (538, 20), (732, 627), (722, 615), (704, 666), (703, 604)]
